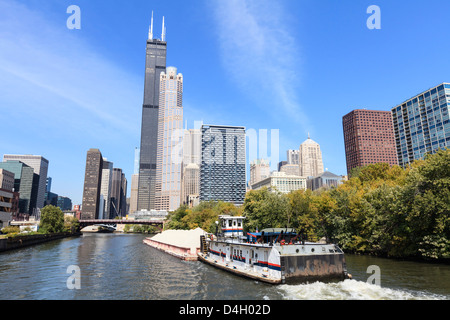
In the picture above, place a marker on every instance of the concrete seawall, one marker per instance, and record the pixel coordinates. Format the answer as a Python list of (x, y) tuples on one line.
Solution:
[(29, 240)]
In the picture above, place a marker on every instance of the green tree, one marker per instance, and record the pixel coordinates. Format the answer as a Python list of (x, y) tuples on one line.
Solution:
[(52, 220), (265, 209), (303, 213), (425, 205), (175, 219), (71, 224), (203, 216)]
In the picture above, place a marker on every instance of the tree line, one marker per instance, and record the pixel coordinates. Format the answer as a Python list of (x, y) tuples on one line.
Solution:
[(381, 210)]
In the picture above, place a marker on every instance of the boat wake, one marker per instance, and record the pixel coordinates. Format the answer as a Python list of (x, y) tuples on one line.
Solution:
[(351, 290)]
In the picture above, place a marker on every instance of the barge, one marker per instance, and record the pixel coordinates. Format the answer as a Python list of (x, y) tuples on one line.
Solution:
[(273, 256)]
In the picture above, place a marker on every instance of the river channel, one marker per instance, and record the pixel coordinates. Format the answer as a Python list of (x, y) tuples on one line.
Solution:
[(121, 267)]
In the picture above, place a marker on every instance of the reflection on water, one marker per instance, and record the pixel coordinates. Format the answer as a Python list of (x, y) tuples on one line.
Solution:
[(121, 267)]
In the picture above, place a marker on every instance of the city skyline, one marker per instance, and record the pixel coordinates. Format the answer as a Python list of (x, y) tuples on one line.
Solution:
[(83, 88)]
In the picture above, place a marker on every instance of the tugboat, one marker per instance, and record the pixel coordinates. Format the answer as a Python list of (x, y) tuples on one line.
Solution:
[(274, 255)]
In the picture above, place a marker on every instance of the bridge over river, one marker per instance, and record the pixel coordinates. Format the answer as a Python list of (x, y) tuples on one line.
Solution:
[(153, 222)]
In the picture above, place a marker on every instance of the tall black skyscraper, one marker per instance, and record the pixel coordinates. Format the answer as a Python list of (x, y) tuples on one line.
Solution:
[(92, 184), (155, 64)]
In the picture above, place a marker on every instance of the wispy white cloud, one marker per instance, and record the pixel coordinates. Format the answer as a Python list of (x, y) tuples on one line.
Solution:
[(62, 96), (48, 58), (261, 55)]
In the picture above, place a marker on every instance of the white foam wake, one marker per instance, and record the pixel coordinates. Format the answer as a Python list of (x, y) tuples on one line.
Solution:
[(351, 290)]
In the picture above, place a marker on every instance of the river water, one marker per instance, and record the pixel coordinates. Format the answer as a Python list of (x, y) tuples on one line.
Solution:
[(121, 267)]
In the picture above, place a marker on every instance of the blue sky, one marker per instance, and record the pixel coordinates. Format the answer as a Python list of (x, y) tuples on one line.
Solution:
[(291, 65)]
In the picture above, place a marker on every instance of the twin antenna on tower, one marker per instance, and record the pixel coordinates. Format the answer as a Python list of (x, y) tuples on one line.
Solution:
[(150, 32)]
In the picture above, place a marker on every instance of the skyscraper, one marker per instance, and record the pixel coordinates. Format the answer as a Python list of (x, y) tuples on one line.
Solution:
[(191, 185), (259, 170), (123, 195), (105, 188), (155, 63), (64, 203), (134, 183), (170, 141), (48, 185), (6, 180), (368, 138), (310, 158), (421, 124), (24, 183), (92, 184), (293, 157), (40, 166), (118, 194), (190, 178), (222, 171), (134, 192)]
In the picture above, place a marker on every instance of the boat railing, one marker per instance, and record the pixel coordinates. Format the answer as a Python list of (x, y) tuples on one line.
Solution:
[(245, 240)]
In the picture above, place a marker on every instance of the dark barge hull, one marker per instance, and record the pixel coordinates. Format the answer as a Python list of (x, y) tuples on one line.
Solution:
[(310, 268)]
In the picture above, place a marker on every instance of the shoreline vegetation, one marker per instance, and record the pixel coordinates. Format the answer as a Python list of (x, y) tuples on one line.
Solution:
[(381, 211), (53, 225), (139, 228)]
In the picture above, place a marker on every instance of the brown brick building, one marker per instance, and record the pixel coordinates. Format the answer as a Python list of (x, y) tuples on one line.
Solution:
[(369, 138), (92, 184)]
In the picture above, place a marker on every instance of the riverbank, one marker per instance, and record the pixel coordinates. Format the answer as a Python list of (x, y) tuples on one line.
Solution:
[(418, 259), (18, 242)]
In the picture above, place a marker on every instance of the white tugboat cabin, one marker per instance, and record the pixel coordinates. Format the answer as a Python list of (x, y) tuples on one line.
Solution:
[(277, 255)]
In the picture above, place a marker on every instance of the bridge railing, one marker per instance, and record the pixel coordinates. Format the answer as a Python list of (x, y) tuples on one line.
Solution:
[(117, 221)]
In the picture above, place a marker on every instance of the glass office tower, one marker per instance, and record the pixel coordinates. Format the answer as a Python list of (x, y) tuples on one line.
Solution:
[(421, 124), (40, 166)]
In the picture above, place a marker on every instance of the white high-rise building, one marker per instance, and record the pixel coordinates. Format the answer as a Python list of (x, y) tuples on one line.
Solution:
[(135, 183), (105, 188), (310, 159), (190, 179), (170, 141), (134, 193)]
